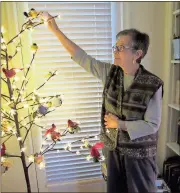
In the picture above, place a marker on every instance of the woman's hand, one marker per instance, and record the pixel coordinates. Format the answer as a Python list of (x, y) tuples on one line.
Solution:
[(50, 21), (111, 121)]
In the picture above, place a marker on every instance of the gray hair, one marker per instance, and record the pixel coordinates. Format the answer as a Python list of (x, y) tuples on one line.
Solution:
[(140, 40)]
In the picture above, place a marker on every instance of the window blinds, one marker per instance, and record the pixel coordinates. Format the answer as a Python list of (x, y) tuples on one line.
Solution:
[(88, 24)]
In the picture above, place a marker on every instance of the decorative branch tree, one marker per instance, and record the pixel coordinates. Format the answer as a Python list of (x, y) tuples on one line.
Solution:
[(18, 98)]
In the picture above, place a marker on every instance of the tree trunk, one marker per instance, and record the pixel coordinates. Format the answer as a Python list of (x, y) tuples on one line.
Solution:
[(23, 158), (26, 172)]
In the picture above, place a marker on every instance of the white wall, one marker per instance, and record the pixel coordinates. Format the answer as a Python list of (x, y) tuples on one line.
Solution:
[(148, 17)]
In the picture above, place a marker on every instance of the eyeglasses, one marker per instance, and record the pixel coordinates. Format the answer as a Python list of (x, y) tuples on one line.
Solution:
[(121, 48)]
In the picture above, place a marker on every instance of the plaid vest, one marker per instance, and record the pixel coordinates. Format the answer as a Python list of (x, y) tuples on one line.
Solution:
[(129, 105)]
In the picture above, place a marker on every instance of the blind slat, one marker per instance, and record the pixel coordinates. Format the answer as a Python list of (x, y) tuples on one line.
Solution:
[(72, 168), (88, 176)]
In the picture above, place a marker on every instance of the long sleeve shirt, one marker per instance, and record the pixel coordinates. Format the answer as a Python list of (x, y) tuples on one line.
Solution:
[(152, 117)]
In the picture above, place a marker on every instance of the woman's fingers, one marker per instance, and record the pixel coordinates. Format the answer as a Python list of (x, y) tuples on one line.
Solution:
[(105, 116), (45, 16), (106, 121), (51, 18)]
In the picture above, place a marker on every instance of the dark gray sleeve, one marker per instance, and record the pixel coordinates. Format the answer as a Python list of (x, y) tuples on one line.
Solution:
[(95, 67)]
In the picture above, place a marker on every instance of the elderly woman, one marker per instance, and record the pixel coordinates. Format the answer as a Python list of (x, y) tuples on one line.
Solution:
[(131, 109)]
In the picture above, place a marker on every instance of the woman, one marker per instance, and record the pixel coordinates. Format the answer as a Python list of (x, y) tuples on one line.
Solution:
[(131, 109)]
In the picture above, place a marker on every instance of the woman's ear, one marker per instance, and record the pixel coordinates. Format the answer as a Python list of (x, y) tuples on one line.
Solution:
[(139, 54)]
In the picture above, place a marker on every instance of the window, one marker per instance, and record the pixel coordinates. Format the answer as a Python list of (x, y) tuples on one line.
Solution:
[(88, 24)]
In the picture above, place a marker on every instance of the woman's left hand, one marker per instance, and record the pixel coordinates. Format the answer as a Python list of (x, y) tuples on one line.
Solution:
[(111, 121)]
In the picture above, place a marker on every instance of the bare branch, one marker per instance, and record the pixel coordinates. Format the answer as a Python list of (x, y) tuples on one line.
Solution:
[(26, 76), (29, 165), (10, 41), (8, 118), (45, 150), (13, 156), (5, 96), (38, 125), (42, 84), (7, 139), (29, 105), (27, 132), (15, 54), (3, 55), (4, 80), (6, 135)]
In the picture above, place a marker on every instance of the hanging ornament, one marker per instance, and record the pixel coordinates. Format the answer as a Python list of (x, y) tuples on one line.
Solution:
[(73, 127), (57, 101), (5, 125), (42, 110), (12, 72), (3, 149), (38, 158), (9, 73), (32, 13), (94, 151), (55, 136), (34, 47), (52, 129), (5, 164)]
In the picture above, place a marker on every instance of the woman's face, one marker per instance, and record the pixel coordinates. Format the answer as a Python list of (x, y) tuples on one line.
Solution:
[(124, 55)]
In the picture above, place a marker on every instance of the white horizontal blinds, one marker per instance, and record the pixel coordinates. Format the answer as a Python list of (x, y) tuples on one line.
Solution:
[(88, 24)]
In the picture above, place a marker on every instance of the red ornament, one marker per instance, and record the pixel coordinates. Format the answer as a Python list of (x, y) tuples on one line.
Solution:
[(94, 149), (38, 159), (95, 152), (55, 136), (12, 72), (3, 149), (72, 124), (52, 129), (9, 73)]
